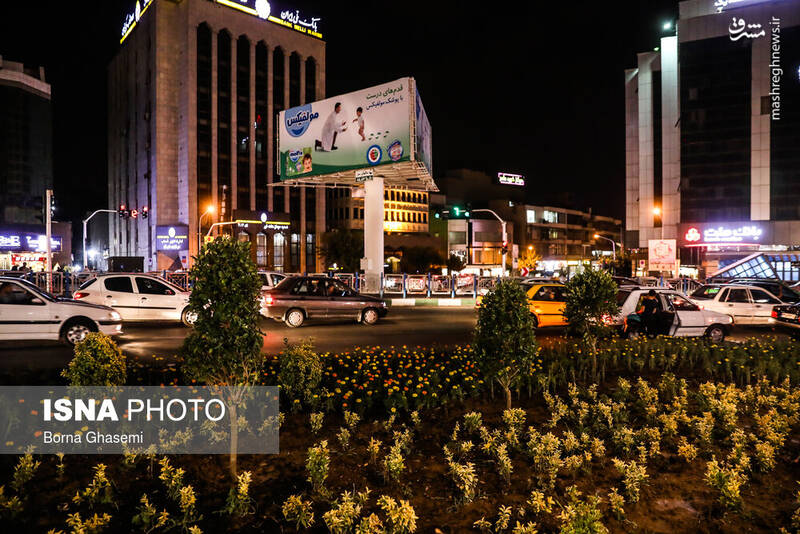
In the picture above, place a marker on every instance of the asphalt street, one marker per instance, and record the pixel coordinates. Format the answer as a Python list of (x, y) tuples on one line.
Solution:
[(403, 326)]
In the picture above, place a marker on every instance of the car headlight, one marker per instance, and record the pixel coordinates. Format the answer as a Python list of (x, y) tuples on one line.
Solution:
[(115, 316)]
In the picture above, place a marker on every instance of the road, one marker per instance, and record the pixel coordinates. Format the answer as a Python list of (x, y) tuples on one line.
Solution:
[(403, 326)]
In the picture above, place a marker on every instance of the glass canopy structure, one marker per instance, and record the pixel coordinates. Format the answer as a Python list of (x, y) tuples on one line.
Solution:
[(781, 266)]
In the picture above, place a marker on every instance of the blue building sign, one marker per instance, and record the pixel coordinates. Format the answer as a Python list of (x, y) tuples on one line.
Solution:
[(172, 238)]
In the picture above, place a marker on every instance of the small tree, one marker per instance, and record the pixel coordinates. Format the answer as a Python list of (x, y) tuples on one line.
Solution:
[(344, 248), (300, 372), (420, 260), (505, 346), (591, 299), (455, 264), (97, 362), (530, 258), (224, 348)]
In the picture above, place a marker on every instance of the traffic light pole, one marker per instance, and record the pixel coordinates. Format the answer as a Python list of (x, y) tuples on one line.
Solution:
[(85, 222), (505, 235)]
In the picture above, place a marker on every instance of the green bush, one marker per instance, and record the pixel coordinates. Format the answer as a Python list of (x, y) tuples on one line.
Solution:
[(97, 362), (505, 346), (300, 372)]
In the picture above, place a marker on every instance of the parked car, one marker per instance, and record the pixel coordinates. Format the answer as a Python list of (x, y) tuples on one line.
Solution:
[(745, 304), (787, 318), (776, 287), (298, 298), (674, 315), (27, 312), (138, 297), (270, 279), (625, 281)]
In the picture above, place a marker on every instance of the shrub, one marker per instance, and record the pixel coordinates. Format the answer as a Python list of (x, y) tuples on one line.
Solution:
[(300, 372), (591, 297), (505, 346), (97, 362), (298, 511), (317, 465)]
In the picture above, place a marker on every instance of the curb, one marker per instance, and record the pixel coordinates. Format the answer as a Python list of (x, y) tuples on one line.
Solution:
[(443, 302)]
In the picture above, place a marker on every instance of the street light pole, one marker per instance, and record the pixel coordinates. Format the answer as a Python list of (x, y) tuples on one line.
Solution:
[(505, 235), (209, 211), (613, 245), (85, 222)]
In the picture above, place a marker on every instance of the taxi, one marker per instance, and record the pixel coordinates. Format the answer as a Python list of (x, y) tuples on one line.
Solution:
[(546, 302)]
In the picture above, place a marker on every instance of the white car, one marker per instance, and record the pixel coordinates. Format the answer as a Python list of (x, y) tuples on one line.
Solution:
[(270, 279), (674, 315), (27, 312), (138, 297), (745, 304)]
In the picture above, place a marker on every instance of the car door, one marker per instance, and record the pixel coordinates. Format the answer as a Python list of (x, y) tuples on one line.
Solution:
[(309, 294), (548, 305), (23, 314), (157, 301), (342, 302), (690, 319), (119, 294), (738, 305), (763, 303)]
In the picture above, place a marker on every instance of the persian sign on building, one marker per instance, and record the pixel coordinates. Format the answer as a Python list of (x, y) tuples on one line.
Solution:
[(172, 237), (662, 254), (724, 234), (365, 128)]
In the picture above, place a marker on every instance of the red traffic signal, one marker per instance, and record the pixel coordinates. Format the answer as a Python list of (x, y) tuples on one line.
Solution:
[(145, 212)]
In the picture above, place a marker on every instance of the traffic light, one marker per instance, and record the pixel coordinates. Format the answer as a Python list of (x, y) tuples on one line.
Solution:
[(122, 211), (504, 249), (145, 212), (52, 206), (134, 213)]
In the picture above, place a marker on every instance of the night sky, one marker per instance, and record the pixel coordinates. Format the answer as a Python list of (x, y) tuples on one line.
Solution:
[(536, 89)]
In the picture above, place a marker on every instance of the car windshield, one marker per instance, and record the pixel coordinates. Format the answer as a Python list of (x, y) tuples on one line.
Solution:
[(286, 282), (87, 283), (40, 292), (622, 296)]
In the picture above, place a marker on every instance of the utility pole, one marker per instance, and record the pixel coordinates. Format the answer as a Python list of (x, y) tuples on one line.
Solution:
[(48, 206), (505, 235)]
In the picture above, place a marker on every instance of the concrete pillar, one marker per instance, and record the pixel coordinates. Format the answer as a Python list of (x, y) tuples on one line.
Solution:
[(373, 234), (286, 73), (251, 145), (303, 213), (214, 125), (233, 194), (270, 138)]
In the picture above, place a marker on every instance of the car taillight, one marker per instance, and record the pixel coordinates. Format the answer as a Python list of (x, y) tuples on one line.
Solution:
[(80, 295), (269, 300), (607, 320), (774, 313)]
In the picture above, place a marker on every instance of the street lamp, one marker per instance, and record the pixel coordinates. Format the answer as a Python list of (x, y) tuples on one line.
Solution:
[(505, 235), (85, 222), (209, 211), (656, 211), (613, 245)]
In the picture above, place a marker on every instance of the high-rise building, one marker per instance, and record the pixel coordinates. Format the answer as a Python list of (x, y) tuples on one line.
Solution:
[(26, 142), (712, 135), (404, 210), (193, 95)]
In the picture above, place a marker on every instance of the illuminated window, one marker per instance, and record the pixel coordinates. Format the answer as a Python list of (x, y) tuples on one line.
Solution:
[(550, 216), (261, 249), (531, 216), (278, 242)]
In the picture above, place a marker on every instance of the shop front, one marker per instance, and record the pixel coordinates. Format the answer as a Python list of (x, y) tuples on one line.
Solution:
[(274, 246), (26, 246)]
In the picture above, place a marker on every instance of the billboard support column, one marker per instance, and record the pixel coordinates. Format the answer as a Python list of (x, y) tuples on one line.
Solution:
[(372, 263)]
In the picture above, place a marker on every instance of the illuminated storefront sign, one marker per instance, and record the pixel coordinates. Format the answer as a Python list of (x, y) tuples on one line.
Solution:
[(288, 18), (131, 19), (27, 242), (700, 235), (172, 238), (506, 178)]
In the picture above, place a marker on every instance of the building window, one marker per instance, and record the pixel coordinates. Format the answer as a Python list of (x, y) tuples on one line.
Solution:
[(311, 256), (243, 237), (550, 216), (278, 244), (531, 216), (294, 251), (261, 250), (311, 80)]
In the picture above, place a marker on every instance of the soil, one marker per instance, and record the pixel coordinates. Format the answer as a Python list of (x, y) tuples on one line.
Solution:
[(675, 499)]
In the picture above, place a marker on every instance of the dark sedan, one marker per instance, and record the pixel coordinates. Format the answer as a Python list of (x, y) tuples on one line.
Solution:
[(298, 298), (787, 317)]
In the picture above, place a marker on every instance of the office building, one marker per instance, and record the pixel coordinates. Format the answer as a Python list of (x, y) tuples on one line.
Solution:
[(193, 95), (405, 211), (26, 142), (712, 136)]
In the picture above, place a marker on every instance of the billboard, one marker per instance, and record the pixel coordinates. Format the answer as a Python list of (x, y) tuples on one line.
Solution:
[(172, 237), (662, 254), (422, 134), (361, 129), (725, 234)]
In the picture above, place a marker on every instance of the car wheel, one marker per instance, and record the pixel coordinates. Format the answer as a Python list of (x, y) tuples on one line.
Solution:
[(369, 316), (188, 317), (715, 333), (535, 321), (76, 331), (295, 318)]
